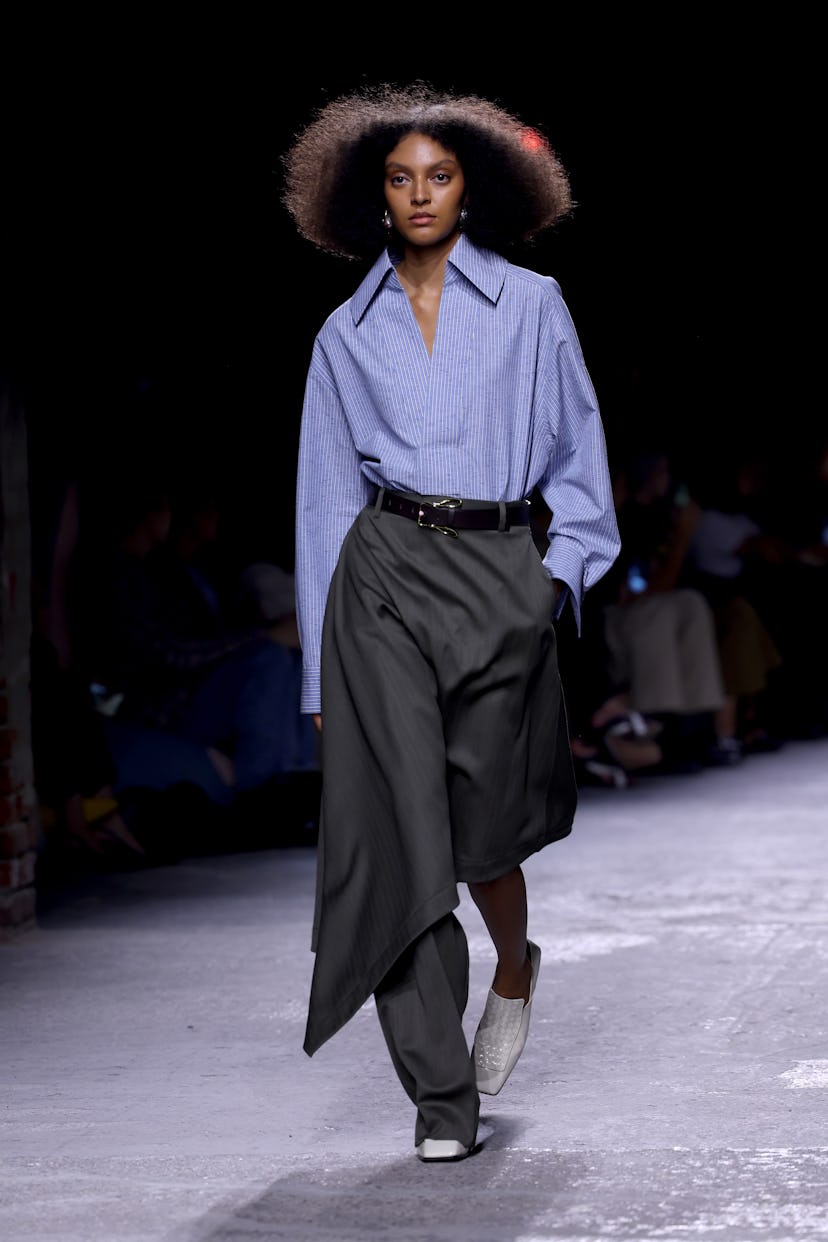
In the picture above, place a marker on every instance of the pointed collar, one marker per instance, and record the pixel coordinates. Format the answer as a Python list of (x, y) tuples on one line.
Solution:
[(485, 269)]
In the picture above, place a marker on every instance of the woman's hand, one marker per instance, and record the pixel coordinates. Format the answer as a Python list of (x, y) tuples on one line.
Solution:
[(317, 720)]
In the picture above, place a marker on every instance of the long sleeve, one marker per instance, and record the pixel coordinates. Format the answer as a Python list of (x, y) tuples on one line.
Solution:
[(330, 493), (576, 485), (503, 404)]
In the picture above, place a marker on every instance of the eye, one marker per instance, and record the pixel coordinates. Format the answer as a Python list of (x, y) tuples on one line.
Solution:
[(397, 179), (441, 178)]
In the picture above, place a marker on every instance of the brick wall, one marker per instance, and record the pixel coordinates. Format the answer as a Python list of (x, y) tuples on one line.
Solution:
[(19, 825)]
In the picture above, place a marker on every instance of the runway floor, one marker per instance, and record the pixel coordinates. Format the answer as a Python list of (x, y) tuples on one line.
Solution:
[(674, 1086)]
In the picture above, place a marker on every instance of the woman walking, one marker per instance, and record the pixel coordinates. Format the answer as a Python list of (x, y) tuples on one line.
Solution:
[(448, 387)]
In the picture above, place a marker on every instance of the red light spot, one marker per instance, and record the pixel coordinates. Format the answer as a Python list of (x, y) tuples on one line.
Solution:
[(531, 140)]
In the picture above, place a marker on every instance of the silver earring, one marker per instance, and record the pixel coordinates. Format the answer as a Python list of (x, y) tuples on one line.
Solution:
[(386, 221), (464, 215)]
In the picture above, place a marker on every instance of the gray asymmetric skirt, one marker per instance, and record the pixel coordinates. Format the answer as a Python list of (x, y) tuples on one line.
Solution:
[(444, 750)]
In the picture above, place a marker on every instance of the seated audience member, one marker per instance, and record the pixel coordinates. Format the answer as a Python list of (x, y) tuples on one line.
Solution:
[(75, 774), (721, 541), (184, 678), (660, 635), (609, 739), (196, 561), (74, 771), (219, 592), (265, 595)]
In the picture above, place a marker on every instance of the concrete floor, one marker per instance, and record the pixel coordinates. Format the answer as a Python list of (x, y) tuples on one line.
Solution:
[(674, 1087)]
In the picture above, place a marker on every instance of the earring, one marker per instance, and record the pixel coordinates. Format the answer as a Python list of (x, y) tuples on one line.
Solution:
[(386, 221), (464, 215)]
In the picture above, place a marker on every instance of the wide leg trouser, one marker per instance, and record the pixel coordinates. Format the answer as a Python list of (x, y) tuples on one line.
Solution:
[(420, 1003), (445, 758)]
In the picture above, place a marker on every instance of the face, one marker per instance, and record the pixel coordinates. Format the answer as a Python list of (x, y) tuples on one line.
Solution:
[(424, 190)]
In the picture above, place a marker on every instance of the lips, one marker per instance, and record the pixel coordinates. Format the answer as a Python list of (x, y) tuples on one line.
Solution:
[(421, 218)]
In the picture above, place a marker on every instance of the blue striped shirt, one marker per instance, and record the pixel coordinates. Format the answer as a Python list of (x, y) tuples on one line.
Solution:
[(503, 404)]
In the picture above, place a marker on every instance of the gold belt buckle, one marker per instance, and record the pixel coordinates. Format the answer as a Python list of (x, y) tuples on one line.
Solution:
[(448, 502)]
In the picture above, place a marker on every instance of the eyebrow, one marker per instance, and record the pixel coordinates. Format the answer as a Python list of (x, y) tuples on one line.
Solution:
[(450, 159)]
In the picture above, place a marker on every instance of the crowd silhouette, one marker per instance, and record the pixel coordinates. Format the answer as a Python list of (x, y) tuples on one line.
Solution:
[(704, 644), (165, 676), (166, 663)]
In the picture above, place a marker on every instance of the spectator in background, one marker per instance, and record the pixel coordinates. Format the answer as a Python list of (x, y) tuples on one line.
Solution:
[(265, 595), (194, 559), (214, 596), (719, 546), (610, 740), (660, 635), (198, 698), (74, 770)]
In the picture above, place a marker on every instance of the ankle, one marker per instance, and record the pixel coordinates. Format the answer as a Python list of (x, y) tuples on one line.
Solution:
[(513, 981)]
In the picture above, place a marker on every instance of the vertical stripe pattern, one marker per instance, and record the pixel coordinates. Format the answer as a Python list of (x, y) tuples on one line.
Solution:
[(504, 404)]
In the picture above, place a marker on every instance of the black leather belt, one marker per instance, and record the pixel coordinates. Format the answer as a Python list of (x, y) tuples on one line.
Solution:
[(449, 516)]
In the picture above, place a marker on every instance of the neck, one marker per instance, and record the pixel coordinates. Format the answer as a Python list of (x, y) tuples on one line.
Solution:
[(425, 265)]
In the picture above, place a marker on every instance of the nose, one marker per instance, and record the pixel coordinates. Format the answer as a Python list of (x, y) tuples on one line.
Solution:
[(419, 192)]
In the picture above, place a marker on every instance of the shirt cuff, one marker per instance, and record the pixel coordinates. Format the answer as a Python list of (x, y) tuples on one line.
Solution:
[(567, 568), (560, 603), (569, 594), (310, 702)]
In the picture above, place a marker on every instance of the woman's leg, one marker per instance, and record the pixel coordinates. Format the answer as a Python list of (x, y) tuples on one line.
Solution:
[(504, 1026), (502, 903)]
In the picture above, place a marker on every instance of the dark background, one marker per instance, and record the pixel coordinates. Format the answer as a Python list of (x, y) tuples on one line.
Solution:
[(159, 304)]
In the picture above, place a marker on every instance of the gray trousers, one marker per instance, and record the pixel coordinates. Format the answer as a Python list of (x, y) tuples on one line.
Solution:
[(445, 757), (420, 1003)]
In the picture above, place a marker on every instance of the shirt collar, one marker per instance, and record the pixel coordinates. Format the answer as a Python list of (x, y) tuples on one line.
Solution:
[(485, 269)]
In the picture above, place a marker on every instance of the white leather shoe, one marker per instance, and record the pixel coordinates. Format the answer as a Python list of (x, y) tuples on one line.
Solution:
[(451, 1149), (501, 1035)]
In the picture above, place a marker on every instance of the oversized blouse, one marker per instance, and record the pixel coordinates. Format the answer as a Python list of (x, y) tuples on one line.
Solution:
[(503, 404)]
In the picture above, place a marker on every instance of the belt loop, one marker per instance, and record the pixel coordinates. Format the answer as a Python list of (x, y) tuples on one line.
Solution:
[(502, 523), (378, 503)]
